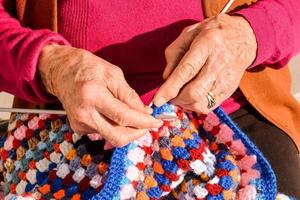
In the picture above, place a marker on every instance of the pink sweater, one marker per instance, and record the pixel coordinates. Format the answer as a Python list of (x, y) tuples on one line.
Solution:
[(133, 35)]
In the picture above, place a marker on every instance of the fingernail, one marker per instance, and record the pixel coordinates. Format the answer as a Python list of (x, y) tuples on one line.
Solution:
[(161, 101), (158, 123), (149, 110)]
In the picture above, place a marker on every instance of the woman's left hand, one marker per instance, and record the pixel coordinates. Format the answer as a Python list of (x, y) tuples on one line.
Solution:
[(207, 57)]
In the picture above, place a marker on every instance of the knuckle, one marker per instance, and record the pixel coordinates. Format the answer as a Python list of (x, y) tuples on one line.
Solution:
[(214, 34), (114, 73), (186, 29), (194, 93), (120, 116), (117, 71), (119, 141), (172, 91), (131, 94), (169, 50), (188, 71)]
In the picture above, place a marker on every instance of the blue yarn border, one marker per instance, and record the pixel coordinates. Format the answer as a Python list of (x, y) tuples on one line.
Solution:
[(117, 166), (268, 178), (116, 172)]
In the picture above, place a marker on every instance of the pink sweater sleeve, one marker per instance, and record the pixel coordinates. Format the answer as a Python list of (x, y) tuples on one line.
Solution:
[(276, 24), (19, 51)]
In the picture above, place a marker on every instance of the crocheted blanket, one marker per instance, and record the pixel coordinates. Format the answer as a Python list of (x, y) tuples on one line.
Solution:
[(192, 156)]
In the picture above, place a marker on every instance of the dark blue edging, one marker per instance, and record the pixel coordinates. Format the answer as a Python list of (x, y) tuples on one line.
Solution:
[(116, 172), (117, 166), (268, 183)]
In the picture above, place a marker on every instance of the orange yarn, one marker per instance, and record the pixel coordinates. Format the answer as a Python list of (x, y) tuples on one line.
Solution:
[(166, 154), (59, 194), (102, 167), (187, 134), (183, 186), (44, 189), (142, 196), (86, 160), (228, 194), (149, 182), (157, 168), (71, 154), (177, 141), (76, 197), (204, 177), (196, 181)]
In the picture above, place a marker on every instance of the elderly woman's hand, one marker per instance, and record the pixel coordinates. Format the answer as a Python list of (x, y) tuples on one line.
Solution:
[(94, 94), (210, 56)]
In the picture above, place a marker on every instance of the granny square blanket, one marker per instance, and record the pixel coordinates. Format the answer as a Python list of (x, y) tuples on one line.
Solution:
[(192, 156)]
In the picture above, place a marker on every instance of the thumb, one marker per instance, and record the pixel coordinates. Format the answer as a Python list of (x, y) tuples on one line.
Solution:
[(176, 50)]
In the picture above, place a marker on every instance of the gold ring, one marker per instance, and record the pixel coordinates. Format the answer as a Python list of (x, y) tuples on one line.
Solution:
[(211, 100)]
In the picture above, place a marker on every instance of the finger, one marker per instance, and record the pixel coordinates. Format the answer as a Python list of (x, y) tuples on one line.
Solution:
[(120, 89), (95, 136), (124, 135), (116, 135), (132, 99), (197, 107), (123, 115), (176, 50), (222, 90), (196, 89), (187, 69)]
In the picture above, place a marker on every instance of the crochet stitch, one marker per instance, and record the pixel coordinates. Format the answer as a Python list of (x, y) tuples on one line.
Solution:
[(190, 157)]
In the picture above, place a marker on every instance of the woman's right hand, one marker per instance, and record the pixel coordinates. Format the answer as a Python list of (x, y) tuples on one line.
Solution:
[(94, 94)]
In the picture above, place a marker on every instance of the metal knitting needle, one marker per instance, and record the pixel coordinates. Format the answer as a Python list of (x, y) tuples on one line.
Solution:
[(35, 111), (227, 6)]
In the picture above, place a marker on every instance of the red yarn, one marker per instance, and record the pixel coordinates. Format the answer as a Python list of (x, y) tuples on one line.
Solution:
[(134, 183), (84, 184), (215, 130), (166, 123), (172, 176), (29, 134), (4, 155), (213, 146), (165, 188), (18, 124), (16, 143), (68, 137), (47, 155), (140, 166), (155, 135), (148, 150), (222, 172), (213, 189), (68, 180), (41, 124), (183, 164), (196, 154), (53, 117), (52, 175)]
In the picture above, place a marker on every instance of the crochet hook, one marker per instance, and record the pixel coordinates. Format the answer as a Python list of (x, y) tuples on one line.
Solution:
[(227, 6), (35, 111), (62, 112)]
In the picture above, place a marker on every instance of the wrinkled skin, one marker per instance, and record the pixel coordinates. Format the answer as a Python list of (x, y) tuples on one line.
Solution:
[(95, 95), (210, 56)]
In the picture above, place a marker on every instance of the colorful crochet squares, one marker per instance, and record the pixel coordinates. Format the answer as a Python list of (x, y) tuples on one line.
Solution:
[(190, 157)]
